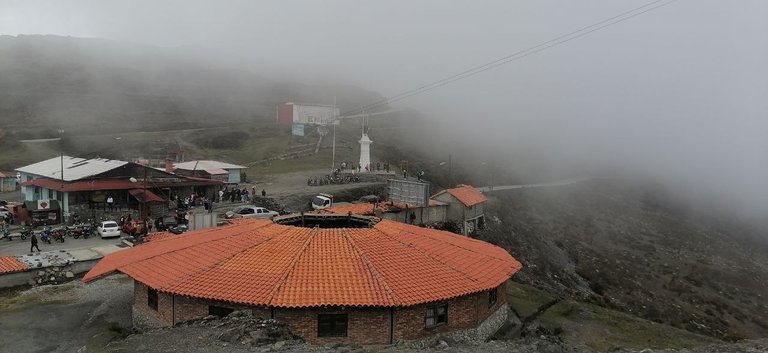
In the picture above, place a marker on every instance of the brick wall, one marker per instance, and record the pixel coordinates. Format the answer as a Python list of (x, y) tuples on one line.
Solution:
[(410, 321), (186, 309), (364, 326), (146, 317), (483, 310)]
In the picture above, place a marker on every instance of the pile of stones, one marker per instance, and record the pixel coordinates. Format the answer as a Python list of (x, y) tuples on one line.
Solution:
[(242, 327), (52, 275)]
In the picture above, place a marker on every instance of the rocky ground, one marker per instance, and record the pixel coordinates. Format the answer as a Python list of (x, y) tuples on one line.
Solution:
[(65, 317)]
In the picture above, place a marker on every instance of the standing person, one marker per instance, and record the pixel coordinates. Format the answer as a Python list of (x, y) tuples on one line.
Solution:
[(253, 191), (405, 174), (263, 193), (210, 206), (34, 243), (148, 223), (221, 195), (110, 203)]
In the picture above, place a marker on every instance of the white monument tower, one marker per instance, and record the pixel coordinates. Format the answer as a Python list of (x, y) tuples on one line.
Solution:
[(365, 152)]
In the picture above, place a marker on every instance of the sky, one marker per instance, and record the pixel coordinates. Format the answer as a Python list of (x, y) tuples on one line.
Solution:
[(679, 93)]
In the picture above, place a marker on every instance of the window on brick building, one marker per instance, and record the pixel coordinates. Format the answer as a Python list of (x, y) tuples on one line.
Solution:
[(493, 296), (152, 298), (436, 315), (332, 325), (219, 311)]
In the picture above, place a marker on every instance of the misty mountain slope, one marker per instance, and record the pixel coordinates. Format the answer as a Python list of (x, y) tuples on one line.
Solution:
[(629, 247), (64, 82)]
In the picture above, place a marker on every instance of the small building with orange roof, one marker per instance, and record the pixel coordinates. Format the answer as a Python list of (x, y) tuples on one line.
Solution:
[(396, 211), (466, 204), (332, 278)]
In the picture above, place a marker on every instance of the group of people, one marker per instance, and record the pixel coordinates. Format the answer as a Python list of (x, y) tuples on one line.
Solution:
[(239, 195), (344, 166)]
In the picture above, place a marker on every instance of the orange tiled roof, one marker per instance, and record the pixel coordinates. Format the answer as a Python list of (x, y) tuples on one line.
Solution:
[(355, 208), (158, 236), (467, 194), (259, 262), (10, 264)]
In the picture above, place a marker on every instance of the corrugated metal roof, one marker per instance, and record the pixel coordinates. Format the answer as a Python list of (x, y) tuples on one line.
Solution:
[(115, 184), (206, 165), (216, 171), (74, 168)]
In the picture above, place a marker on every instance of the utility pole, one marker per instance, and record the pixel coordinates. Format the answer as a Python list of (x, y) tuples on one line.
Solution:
[(333, 153), (61, 154), (61, 175), (144, 193)]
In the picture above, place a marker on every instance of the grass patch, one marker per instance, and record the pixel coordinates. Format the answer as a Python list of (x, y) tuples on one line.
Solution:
[(526, 300), (601, 329)]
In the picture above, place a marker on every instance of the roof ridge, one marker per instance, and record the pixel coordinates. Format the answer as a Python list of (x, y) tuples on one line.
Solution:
[(428, 255), (291, 266), (374, 273), (223, 260)]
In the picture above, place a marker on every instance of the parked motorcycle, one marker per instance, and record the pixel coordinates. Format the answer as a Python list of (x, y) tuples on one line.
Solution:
[(45, 235), (26, 232), (58, 235)]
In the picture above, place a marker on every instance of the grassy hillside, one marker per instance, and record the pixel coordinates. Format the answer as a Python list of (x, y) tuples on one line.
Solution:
[(629, 247)]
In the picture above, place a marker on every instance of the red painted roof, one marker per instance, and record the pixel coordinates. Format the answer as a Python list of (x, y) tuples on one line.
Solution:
[(147, 195), (467, 194), (259, 262), (113, 184), (10, 264)]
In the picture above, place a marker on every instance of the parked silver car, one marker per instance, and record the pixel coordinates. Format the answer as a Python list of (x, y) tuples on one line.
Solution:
[(250, 212)]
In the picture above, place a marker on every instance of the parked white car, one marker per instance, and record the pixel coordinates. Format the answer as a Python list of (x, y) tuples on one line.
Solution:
[(108, 229), (250, 212)]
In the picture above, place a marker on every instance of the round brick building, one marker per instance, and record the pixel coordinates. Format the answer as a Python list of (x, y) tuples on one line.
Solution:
[(332, 278)]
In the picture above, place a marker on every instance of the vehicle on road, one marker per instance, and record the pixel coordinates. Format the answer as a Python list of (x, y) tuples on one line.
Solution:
[(250, 212), (108, 229), (134, 227), (322, 201)]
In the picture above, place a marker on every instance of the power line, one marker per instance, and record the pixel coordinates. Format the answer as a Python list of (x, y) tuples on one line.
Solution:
[(624, 16)]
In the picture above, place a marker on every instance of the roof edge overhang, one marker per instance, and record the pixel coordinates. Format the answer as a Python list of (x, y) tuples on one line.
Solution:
[(357, 305)]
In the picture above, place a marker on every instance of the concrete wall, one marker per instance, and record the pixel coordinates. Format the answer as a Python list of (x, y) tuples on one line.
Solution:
[(22, 278)]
